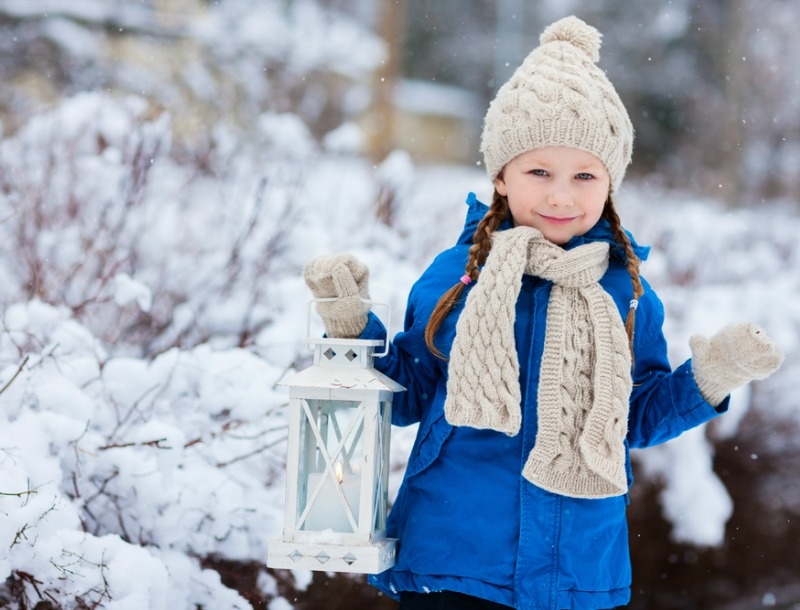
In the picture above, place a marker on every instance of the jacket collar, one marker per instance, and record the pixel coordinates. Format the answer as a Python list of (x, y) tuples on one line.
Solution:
[(599, 232)]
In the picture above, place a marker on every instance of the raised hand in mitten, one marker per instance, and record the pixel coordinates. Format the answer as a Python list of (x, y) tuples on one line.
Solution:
[(344, 278), (734, 356)]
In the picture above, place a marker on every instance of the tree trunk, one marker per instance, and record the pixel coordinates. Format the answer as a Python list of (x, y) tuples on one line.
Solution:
[(380, 123), (731, 184)]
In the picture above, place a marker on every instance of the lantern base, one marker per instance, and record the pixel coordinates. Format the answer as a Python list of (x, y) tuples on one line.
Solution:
[(371, 558)]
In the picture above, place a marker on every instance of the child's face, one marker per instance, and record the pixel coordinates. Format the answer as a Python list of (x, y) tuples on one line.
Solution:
[(557, 189)]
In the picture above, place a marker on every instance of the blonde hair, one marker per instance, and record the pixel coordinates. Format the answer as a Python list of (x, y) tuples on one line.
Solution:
[(479, 251)]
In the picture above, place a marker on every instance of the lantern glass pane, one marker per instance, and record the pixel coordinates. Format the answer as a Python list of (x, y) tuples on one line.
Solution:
[(381, 493), (329, 472)]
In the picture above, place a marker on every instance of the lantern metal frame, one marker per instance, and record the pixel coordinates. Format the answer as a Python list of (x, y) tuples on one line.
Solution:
[(342, 384)]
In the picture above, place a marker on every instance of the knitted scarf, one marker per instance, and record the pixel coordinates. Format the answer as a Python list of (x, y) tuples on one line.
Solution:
[(584, 377)]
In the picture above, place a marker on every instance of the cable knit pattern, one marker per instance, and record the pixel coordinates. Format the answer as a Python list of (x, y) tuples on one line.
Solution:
[(559, 97), (584, 379)]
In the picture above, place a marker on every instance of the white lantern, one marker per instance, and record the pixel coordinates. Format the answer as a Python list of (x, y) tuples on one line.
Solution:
[(337, 467)]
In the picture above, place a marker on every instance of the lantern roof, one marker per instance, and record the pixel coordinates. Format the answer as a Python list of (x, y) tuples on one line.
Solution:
[(342, 377), (343, 364)]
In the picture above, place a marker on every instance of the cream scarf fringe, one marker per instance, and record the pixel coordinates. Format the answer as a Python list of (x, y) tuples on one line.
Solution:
[(584, 379)]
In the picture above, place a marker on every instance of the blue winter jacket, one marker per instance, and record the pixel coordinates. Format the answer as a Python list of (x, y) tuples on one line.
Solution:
[(465, 518)]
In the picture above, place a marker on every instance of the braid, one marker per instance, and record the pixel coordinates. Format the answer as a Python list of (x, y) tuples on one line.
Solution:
[(478, 252), (610, 214)]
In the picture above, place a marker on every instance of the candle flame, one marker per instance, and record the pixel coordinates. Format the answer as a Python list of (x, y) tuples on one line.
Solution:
[(339, 473)]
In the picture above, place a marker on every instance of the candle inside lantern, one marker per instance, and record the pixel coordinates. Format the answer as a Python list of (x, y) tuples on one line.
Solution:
[(327, 511)]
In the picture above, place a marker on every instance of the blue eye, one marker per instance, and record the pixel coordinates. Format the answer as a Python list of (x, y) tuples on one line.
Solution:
[(584, 176), (539, 172)]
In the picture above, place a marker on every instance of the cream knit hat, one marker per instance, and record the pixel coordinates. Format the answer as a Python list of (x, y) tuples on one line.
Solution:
[(559, 97)]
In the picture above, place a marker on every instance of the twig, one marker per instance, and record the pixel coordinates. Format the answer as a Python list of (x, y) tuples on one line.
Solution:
[(15, 375), (19, 535), (251, 454), (30, 579), (134, 408), (17, 494), (154, 443)]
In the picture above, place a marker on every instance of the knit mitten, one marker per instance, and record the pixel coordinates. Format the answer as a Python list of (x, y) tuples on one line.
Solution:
[(345, 278), (734, 356)]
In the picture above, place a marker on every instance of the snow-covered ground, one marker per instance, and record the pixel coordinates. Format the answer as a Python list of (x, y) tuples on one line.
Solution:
[(149, 309)]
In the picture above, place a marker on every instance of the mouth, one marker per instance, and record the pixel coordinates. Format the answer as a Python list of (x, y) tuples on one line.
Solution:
[(557, 220)]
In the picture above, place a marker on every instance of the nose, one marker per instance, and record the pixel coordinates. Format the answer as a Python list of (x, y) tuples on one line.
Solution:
[(560, 196)]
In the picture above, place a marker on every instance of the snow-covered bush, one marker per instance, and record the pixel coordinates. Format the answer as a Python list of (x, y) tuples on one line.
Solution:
[(148, 254), (134, 429), (113, 465)]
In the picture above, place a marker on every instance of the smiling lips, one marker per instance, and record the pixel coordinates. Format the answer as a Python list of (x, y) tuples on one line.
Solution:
[(557, 221)]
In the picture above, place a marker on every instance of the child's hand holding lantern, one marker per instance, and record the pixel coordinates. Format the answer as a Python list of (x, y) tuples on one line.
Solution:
[(344, 278)]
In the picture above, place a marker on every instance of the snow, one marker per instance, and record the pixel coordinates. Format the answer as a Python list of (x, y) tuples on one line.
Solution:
[(279, 603), (302, 34), (690, 453), (124, 15), (437, 99), (128, 290), (126, 448)]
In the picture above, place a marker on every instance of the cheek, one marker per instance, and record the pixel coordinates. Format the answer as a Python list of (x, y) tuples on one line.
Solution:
[(595, 202), (594, 212)]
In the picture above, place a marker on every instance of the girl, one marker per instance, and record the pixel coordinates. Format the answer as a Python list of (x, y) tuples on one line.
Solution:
[(534, 359)]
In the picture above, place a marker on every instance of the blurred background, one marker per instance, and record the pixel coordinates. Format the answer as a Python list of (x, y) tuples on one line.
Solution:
[(713, 92), (710, 85)]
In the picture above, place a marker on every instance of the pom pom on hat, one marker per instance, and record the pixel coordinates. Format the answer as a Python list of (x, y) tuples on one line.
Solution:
[(559, 97), (576, 32)]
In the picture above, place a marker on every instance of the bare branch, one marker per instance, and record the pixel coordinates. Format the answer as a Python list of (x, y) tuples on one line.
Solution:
[(17, 494), (15, 375), (154, 443), (250, 454)]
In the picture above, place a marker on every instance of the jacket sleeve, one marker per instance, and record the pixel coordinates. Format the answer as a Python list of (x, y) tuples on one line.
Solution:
[(409, 362), (664, 403)]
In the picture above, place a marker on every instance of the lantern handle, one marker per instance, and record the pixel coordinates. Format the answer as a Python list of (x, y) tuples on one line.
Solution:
[(388, 324)]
